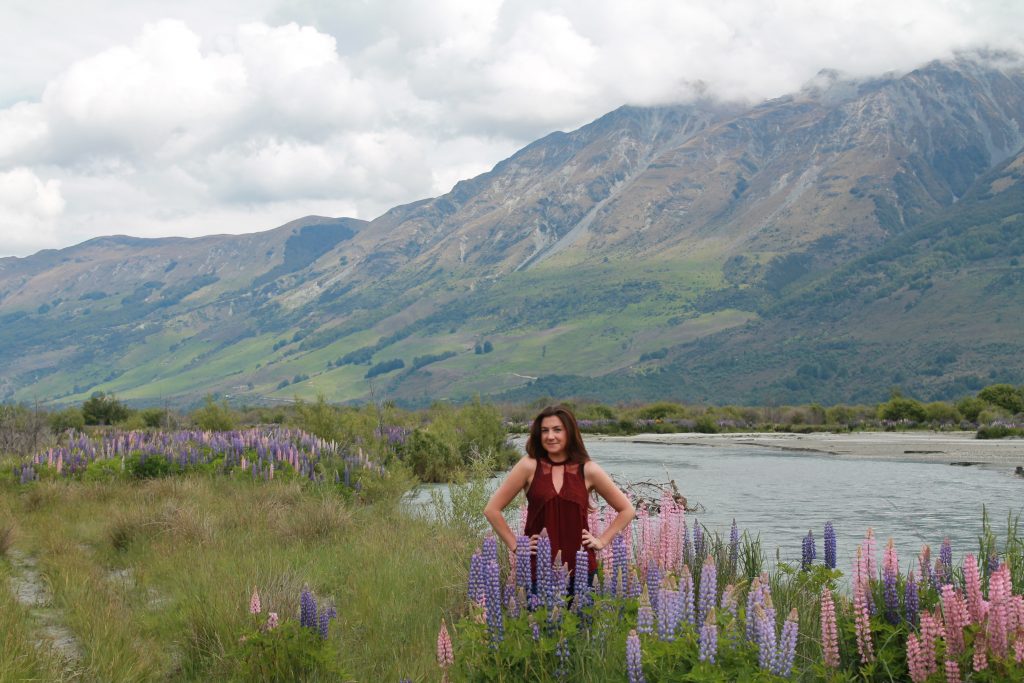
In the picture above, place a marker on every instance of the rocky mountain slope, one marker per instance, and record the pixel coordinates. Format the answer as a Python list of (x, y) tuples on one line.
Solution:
[(706, 251)]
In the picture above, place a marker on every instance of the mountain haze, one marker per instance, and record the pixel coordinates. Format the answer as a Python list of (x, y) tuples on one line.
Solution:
[(826, 245)]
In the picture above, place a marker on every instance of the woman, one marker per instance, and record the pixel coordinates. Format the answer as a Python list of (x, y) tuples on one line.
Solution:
[(557, 475)]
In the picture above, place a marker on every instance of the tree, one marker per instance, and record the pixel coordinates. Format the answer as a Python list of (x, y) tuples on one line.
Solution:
[(1005, 396), (104, 409), (898, 409)]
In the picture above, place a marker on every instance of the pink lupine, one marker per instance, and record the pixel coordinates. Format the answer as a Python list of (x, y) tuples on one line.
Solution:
[(952, 671), (954, 610), (931, 631), (980, 659), (272, 621), (862, 616), (254, 602), (914, 663), (445, 653), (870, 549), (829, 630), (972, 582), (1018, 647), (1000, 590)]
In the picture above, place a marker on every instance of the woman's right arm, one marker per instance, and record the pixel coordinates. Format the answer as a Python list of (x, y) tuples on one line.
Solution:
[(516, 481)]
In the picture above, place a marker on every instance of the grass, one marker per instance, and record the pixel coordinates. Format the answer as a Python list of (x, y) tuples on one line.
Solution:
[(153, 578)]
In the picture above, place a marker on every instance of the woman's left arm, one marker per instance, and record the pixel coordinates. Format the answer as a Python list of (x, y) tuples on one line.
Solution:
[(598, 480)]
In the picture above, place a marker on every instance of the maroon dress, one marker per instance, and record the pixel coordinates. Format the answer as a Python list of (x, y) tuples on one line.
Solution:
[(563, 513)]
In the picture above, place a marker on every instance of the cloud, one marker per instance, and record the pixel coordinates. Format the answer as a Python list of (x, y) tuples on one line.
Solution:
[(230, 113), (29, 208)]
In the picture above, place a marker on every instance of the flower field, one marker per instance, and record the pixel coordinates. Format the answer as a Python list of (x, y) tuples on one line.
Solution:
[(672, 603)]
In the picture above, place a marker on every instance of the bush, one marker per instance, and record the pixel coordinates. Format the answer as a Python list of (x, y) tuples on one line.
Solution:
[(1005, 396), (149, 467), (69, 418), (214, 417), (970, 408), (290, 652), (900, 409), (429, 457), (104, 409)]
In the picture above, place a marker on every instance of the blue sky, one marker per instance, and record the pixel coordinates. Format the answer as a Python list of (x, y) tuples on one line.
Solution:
[(196, 117)]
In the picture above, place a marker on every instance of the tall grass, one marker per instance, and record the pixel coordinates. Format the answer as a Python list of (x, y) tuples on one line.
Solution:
[(153, 577)]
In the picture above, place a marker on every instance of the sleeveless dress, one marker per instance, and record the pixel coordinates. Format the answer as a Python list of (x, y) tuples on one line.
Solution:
[(563, 513)]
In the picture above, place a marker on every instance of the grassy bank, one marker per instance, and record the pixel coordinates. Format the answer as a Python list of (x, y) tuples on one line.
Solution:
[(153, 578)]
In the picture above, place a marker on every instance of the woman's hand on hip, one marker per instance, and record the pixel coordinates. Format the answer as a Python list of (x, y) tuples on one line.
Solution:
[(591, 541)]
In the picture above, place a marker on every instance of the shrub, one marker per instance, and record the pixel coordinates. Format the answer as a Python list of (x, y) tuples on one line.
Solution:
[(290, 652), (1005, 396), (69, 418), (149, 467), (104, 409), (214, 417)]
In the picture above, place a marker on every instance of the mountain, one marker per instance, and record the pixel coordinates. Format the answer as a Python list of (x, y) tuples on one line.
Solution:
[(826, 245)]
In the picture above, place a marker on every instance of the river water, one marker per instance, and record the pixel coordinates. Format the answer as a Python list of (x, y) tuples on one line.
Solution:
[(780, 495)]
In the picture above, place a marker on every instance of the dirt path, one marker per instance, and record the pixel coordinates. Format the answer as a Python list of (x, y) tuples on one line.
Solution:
[(30, 590)]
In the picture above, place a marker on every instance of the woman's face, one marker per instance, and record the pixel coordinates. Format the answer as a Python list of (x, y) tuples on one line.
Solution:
[(553, 436)]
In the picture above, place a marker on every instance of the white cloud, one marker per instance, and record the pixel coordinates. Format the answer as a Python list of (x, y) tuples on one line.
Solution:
[(227, 113), (29, 207)]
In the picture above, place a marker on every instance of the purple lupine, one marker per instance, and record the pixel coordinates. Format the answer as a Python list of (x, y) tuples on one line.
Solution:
[(653, 584), (523, 563), (495, 618), (645, 615), (730, 601), (830, 546), (708, 591), (786, 651), (477, 587), (809, 551), (582, 597), (698, 541), (490, 549), (687, 548), (708, 639), (734, 547), (686, 606), (534, 629), (562, 654), (560, 581), (307, 609), (765, 620), (668, 614), (891, 595), (910, 600), (946, 557), (619, 565), (634, 665), (545, 577), (755, 599), (324, 624)]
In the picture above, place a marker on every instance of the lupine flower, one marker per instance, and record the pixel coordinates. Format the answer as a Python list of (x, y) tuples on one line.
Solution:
[(808, 552), (755, 597), (581, 586), (326, 615), (861, 611), (476, 577), (708, 639), (534, 629), (946, 559), (890, 569), (708, 589), (618, 565), (667, 614), (911, 601), (634, 666), (931, 631), (954, 610), (490, 549), (633, 587), (980, 659), (924, 562), (1018, 647), (734, 547), (523, 562), (914, 664), (698, 540), (830, 546), (829, 630), (495, 618), (272, 621), (653, 584), (307, 609), (1000, 593), (972, 584), (562, 653), (730, 602), (686, 607), (765, 620), (254, 602), (545, 578), (645, 615), (786, 650), (952, 671)]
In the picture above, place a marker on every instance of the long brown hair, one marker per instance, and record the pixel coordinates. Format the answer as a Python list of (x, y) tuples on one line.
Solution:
[(574, 447)]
